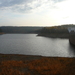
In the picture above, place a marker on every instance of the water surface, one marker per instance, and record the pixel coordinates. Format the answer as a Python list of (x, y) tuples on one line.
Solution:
[(31, 44)]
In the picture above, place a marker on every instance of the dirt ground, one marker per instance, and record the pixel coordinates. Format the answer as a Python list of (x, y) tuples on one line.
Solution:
[(13, 64)]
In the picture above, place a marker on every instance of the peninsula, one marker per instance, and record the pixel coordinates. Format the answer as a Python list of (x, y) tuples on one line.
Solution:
[(56, 31)]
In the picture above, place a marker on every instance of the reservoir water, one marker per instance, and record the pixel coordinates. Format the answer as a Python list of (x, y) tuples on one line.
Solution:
[(31, 44)]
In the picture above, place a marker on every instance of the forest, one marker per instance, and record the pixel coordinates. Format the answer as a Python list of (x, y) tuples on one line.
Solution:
[(60, 31), (0, 30), (56, 31), (13, 29)]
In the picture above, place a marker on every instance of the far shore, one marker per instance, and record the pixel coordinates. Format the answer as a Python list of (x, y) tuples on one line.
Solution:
[(17, 64), (63, 36), (55, 35)]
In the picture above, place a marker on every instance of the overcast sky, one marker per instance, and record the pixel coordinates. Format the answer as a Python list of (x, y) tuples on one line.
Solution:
[(36, 12)]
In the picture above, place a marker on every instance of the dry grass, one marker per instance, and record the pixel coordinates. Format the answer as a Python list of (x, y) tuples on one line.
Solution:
[(42, 66), (12, 68), (49, 66)]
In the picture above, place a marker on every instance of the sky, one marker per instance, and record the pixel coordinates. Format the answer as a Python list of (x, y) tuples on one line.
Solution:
[(36, 12)]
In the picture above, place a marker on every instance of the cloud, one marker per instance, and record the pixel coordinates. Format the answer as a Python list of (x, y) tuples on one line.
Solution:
[(8, 3), (25, 5), (17, 5), (44, 12)]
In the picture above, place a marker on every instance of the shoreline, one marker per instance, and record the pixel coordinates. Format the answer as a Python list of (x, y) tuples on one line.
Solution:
[(55, 35)]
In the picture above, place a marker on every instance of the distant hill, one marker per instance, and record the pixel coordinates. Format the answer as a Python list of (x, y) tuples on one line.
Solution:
[(12, 29), (56, 31), (0, 30)]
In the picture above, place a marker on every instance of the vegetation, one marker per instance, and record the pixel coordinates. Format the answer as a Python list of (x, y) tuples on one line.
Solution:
[(40, 66), (0, 30), (11, 29), (56, 31)]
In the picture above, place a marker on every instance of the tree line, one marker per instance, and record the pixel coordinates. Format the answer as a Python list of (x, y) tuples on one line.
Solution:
[(63, 29), (0, 30), (12, 29)]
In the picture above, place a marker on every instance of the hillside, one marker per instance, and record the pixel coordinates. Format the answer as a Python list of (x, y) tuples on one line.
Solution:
[(12, 29), (56, 31), (1, 32)]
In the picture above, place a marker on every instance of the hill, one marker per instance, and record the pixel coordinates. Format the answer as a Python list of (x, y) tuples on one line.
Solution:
[(12, 29), (56, 31), (0, 30)]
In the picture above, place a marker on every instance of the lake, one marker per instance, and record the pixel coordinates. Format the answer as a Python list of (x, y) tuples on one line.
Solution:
[(31, 44)]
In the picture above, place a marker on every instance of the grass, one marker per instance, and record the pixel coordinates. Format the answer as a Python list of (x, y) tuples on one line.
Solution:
[(22, 65)]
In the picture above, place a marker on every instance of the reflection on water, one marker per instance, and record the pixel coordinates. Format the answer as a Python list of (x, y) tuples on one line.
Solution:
[(30, 44)]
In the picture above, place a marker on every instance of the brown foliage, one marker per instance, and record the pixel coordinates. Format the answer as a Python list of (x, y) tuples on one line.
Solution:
[(12, 68), (46, 66), (43, 66), (52, 66)]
